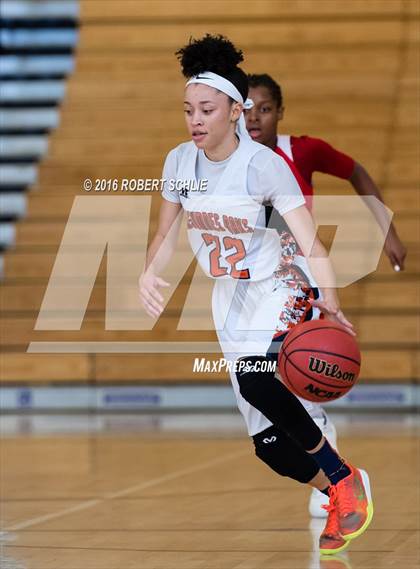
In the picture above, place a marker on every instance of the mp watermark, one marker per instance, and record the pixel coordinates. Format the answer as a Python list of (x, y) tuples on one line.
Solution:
[(116, 227)]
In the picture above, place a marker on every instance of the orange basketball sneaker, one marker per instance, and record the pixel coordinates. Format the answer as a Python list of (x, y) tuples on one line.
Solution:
[(350, 511), (331, 541)]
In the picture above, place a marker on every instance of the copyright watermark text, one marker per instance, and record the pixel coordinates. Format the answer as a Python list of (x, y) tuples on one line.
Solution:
[(143, 185)]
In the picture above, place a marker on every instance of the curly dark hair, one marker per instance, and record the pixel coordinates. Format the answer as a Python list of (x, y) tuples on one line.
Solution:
[(217, 54), (265, 80)]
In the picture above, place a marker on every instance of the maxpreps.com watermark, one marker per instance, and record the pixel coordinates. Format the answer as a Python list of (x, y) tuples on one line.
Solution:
[(144, 185), (204, 365)]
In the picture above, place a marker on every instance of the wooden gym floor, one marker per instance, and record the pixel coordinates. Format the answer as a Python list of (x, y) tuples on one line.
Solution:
[(185, 492)]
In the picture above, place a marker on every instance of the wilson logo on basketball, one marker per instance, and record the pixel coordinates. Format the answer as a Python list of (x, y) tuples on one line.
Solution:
[(321, 367)]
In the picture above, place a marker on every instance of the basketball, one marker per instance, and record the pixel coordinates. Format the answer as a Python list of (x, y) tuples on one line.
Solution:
[(319, 361)]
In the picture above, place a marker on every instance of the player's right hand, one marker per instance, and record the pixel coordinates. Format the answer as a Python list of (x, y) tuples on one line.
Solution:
[(333, 312), (149, 294)]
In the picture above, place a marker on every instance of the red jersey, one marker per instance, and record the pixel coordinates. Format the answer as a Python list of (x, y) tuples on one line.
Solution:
[(311, 155)]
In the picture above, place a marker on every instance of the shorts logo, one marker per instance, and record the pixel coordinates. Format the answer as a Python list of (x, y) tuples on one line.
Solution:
[(269, 440), (321, 367), (322, 393)]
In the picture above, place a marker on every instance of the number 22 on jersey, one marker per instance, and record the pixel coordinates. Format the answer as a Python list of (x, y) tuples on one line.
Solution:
[(239, 253)]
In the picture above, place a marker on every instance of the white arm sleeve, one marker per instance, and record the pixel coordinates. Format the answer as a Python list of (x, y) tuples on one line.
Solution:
[(271, 178)]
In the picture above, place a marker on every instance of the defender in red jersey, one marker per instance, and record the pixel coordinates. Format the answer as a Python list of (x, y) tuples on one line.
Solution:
[(309, 154)]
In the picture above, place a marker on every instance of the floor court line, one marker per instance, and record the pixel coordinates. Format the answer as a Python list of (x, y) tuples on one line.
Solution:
[(130, 490)]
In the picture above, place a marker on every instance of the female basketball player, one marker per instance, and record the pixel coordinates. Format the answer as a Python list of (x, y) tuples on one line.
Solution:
[(228, 235), (309, 154)]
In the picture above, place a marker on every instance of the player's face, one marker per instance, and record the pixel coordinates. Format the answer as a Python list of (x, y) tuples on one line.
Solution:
[(209, 115), (262, 119)]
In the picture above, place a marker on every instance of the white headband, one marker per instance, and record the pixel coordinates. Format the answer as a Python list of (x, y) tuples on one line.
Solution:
[(222, 84)]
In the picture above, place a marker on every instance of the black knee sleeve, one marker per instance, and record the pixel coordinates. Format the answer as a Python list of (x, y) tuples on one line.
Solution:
[(250, 371), (283, 455), (267, 394)]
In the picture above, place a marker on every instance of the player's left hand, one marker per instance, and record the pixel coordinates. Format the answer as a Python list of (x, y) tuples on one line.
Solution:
[(334, 313), (395, 250)]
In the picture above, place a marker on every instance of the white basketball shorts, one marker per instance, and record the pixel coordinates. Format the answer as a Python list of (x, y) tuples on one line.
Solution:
[(252, 317)]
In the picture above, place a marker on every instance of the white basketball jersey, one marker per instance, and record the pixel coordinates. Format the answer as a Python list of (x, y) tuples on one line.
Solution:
[(222, 226)]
